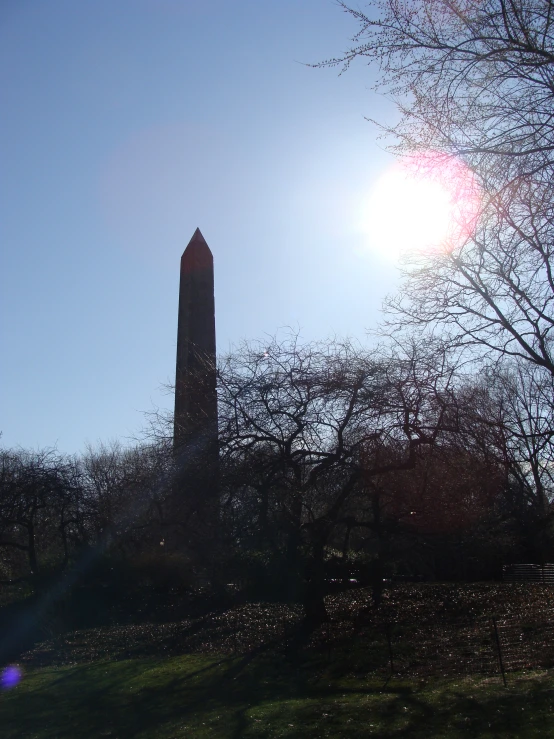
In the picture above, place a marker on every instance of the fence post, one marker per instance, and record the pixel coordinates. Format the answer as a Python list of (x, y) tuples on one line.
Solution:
[(499, 649), (389, 641)]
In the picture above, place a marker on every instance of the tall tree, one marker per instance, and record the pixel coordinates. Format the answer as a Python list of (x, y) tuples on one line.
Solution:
[(475, 81), (311, 424), (509, 415), (39, 507), (471, 79)]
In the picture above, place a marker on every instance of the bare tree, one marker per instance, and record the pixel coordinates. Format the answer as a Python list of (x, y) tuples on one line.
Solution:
[(124, 493), (509, 415), (475, 80), (39, 507), (493, 295), (471, 79), (310, 424)]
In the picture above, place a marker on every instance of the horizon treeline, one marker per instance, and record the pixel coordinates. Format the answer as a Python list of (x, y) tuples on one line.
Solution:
[(336, 464)]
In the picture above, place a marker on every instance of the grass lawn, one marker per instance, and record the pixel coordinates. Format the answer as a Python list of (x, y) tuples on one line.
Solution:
[(226, 697)]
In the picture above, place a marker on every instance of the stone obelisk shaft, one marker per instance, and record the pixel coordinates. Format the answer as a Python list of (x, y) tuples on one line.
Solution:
[(195, 380)]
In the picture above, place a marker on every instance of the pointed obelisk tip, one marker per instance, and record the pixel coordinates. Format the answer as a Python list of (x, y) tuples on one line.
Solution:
[(197, 242), (197, 255)]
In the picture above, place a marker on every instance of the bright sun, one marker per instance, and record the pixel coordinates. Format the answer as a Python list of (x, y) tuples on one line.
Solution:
[(424, 203)]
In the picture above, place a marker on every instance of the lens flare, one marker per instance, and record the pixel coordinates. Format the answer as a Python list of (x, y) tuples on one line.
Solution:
[(11, 676), (425, 203)]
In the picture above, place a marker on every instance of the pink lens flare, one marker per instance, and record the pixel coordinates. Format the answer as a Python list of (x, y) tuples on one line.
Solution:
[(460, 185), (11, 676), (424, 204)]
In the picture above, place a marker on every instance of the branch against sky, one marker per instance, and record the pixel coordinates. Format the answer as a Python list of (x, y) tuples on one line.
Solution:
[(493, 295), (475, 81)]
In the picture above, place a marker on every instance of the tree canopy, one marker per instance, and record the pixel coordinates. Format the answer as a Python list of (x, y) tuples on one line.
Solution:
[(475, 81)]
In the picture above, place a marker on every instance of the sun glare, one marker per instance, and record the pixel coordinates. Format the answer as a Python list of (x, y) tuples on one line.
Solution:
[(427, 203)]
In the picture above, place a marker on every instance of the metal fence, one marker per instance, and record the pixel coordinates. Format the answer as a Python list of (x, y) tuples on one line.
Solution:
[(419, 630), (483, 644), (529, 573)]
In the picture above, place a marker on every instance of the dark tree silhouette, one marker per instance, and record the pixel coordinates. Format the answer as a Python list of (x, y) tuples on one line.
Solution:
[(308, 425)]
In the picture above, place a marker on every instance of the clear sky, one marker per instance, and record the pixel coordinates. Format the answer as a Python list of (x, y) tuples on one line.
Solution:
[(124, 126)]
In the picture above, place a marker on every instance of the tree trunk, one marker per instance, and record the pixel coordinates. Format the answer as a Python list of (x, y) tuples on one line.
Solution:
[(315, 590), (33, 562)]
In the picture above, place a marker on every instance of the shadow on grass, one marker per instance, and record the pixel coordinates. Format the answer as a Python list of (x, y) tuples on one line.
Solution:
[(228, 698)]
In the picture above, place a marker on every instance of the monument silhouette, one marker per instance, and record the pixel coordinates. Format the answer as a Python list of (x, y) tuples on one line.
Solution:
[(195, 442), (195, 419)]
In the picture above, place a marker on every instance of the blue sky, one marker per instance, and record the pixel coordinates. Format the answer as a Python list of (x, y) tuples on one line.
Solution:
[(124, 126)]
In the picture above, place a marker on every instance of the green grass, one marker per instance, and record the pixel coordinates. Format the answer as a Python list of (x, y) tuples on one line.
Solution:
[(223, 698)]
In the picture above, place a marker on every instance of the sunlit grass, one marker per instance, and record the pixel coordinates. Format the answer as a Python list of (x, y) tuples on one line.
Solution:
[(227, 697), (225, 675)]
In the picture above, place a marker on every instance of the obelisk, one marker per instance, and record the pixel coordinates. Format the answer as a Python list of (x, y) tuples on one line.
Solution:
[(195, 424)]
